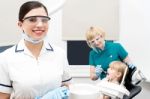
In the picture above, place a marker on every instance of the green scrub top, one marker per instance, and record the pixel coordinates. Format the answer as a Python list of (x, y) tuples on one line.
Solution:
[(112, 52)]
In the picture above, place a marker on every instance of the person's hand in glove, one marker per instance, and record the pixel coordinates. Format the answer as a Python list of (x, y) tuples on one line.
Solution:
[(59, 93), (98, 70)]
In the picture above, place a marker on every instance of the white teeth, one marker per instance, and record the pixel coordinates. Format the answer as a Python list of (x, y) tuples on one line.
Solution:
[(38, 31)]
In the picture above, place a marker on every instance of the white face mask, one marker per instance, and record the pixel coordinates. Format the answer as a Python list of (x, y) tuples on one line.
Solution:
[(30, 39)]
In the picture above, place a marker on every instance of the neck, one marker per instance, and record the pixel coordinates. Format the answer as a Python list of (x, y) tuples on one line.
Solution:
[(113, 80), (35, 49)]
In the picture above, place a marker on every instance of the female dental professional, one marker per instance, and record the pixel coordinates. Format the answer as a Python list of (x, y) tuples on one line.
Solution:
[(33, 66)]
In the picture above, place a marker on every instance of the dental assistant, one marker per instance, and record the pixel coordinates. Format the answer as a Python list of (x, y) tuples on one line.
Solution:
[(33, 65)]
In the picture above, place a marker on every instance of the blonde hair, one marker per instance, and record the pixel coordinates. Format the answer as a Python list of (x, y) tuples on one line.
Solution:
[(92, 32), (119, 67)]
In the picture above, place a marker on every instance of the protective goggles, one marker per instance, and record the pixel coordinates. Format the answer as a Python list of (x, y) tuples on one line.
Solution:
[(35, 19), (95, 40)]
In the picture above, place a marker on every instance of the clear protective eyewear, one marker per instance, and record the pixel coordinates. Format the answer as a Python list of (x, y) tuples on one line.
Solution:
[(95, 40), (35, 19)]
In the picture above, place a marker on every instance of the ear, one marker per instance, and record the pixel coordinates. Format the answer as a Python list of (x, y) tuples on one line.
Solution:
[(119, 74), (19, 23)]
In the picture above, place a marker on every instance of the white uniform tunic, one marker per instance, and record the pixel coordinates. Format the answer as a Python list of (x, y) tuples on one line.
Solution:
[(20, 70)]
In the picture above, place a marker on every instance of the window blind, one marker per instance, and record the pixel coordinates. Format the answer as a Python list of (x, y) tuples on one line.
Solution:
[(79, 15)]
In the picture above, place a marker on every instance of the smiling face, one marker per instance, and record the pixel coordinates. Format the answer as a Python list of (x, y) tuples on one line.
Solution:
[(95, 37), (35, 23), (97, 41)]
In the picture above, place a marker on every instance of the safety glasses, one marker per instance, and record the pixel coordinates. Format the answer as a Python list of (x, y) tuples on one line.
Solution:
[(36, 19), (96, 39)]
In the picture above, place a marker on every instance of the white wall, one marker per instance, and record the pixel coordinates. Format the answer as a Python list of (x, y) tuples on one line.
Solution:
[(134, 30), (134, 35), (10, 32)]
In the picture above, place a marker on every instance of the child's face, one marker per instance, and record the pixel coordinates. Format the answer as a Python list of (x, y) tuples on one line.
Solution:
[(112, 73)]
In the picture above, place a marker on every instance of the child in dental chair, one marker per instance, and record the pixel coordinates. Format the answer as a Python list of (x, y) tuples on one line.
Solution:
[(115, 74)]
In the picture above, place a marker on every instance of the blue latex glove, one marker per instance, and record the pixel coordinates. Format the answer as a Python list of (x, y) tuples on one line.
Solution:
[(130, 65), (59, 93), (98, 70)]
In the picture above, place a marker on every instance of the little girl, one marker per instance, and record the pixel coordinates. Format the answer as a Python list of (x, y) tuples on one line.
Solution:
[(115, 73)]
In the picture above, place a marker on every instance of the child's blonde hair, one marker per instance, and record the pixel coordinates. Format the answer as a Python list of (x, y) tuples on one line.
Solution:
[(119, 67)]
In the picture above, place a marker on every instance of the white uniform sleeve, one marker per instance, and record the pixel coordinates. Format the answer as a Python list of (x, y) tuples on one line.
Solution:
[(5, 83), (66, 77)]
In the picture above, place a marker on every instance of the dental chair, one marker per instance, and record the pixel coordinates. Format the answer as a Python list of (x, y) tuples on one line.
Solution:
[(134, 89)]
